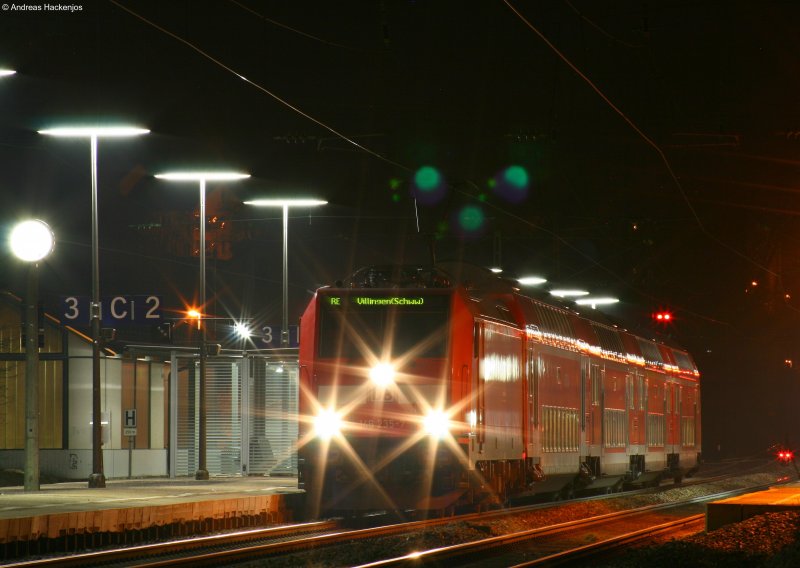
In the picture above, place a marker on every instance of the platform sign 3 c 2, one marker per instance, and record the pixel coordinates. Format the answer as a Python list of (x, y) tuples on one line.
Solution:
[(271, 336), (114, 310)]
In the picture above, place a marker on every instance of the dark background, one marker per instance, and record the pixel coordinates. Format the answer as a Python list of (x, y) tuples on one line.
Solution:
[(677, 188)]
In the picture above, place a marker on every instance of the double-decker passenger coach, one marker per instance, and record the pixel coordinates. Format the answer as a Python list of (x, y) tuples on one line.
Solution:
[(431, 388)]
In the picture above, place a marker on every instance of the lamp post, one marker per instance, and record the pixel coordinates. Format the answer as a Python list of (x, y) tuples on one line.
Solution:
[(93, 133), (202, 178), (285, 204), (31, 241)]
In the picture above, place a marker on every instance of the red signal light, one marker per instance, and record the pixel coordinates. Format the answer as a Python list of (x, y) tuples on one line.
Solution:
[(663, 317), (786, 455)]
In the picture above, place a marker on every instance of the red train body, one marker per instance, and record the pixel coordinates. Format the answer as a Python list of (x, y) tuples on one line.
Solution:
[(425, 389)]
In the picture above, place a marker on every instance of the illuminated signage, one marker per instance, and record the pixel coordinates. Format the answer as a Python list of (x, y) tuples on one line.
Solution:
[(378, 300), (387, 301)]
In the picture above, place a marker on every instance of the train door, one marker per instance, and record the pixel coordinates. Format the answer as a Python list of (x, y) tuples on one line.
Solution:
[(480, 388), (586, 405), (641, 385), (532, 371), (669, 413), (635, 393), (596, 408)]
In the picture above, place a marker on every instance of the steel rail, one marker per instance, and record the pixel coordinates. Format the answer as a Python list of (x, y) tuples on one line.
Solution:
[(604, 546), (331, 533), (451, 555)]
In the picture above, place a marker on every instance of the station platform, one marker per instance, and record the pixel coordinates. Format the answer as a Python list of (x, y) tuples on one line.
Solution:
[(159, 506), (736, 509)]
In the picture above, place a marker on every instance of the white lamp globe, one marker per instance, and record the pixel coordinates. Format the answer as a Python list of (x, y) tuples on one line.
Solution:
[(31, 240)]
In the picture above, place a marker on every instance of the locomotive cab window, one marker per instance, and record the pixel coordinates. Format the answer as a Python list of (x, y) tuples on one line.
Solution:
[(354, 326)]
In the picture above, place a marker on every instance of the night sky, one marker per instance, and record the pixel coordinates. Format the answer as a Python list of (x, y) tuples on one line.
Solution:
[(659, 144)]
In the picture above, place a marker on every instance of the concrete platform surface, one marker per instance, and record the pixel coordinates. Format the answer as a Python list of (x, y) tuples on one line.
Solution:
[(63, 509), (735, 509)]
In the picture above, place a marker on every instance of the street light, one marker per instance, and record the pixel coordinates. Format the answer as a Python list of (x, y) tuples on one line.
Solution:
[(6, 72), (285, 204), (568, 293), (93, 133), (597, 301), (31, 241), (202, 178), (531, 280)]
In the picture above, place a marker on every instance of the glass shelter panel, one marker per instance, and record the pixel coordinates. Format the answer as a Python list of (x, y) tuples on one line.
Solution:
[(272, 421)]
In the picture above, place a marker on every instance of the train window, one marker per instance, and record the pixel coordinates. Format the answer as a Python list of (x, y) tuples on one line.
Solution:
[(683, 360), (504, 313), (553, 321), (656, 430), (353, 331), (650, 352), (687, 431), (609, 339), (614, 428)]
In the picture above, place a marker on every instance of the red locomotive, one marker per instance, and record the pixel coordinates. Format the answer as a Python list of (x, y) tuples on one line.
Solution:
[(431, 388)]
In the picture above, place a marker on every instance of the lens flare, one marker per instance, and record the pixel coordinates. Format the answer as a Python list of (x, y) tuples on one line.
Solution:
[(429, 187), (511, 184), (327, 424), (436, 424), (382, 374), (471, 219)]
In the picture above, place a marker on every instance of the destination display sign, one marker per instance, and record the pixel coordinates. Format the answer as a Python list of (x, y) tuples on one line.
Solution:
[(386, 301)]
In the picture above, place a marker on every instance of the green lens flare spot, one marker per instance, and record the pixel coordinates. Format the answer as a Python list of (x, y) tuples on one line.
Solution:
[(516, 176), (471, 218), (427, 178)]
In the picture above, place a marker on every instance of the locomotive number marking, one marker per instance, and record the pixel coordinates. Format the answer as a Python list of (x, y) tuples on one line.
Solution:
[(380, 396), (383, 424)]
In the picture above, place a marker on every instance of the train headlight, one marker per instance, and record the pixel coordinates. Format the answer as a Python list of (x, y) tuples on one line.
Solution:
[(327, 424), (436, 424), (382, 374)]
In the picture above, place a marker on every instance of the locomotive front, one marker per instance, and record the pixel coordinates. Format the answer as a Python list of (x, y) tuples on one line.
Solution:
[(378, 427)]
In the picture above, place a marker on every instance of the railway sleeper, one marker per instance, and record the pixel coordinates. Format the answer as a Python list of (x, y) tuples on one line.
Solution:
[(77, 542)]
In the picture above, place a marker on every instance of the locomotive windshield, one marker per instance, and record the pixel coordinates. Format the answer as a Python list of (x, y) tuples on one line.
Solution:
[(352, 326)]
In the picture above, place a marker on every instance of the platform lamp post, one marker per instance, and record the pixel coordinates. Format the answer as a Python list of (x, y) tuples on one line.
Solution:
[(31, 241), (93, 133), (202, 178), (285, 204)]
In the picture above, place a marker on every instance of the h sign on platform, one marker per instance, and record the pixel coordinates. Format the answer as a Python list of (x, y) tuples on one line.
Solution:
[(130, 418)]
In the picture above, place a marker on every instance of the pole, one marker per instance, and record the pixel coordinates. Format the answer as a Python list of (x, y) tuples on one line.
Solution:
[(285, 319), (32, 380), (202, 470), (97, 478)]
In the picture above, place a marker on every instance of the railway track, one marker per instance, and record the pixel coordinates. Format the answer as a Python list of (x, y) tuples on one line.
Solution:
[(566, 542), (281, 542)]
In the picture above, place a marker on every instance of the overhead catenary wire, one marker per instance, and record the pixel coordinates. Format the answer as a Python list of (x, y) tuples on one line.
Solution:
[(407, 168), (643, 136)]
